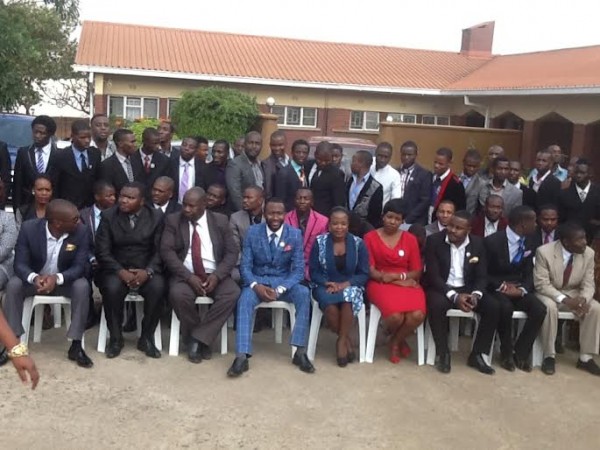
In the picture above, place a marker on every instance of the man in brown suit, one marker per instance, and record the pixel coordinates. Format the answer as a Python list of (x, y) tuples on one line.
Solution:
[(199, 254)]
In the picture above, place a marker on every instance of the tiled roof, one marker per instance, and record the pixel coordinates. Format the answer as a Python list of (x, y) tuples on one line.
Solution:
[(138, 47)]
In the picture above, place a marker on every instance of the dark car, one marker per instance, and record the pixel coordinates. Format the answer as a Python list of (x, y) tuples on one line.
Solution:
[(15, 130)]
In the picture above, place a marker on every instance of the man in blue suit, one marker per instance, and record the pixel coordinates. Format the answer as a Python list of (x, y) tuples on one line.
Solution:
[(272, 268), (51, 257)]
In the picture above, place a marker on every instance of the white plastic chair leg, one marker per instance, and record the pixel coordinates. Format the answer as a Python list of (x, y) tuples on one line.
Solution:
[(421, 345), (315, 325), (158, 336), (453, 336), (224, 339), (174, 338), (57, 313), (37, 323), (278, 323), (139, 314), (372, 333), (362, 334), (27, 313), (102, 333), (430, 345)]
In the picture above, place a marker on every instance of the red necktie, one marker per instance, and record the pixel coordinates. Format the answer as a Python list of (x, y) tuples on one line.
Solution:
[(147, 163), (197, 255), (567, 272), (547, 238)]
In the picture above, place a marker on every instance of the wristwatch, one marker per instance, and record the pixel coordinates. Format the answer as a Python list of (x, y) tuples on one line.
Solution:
[(150, 273), (280, 290), (18, 350)]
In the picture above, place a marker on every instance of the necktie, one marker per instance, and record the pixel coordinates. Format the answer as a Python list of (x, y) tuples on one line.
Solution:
[(183, 183), (132, 220), (273, 244), (197, 263), (129, 170), (302, 177), (582, 196), (39, 165), (567, 272), (520, 252), (147, 163), (83, 162), (435, 189), (547, 238)]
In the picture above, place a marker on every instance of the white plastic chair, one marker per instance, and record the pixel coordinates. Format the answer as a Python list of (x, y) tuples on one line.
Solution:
[(315, 325), (57, 303), (176, 324), (104, 334), (277, 308), (454, 316), (374, 319)]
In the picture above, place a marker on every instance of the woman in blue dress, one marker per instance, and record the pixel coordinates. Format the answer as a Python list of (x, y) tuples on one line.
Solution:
[(339, 270)]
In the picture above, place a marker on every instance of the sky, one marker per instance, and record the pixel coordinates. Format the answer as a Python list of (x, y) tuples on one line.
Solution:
[(521, 25)]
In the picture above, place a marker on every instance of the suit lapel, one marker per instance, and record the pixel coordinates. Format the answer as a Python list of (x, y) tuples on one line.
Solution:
[(559, 264), (312, 221), (214, 237), (505, 252), (43, 242), (184, 229)]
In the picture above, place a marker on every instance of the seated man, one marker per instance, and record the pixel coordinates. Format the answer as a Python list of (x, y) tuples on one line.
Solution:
[(216, 199), (490, 220), (272, 269), (546, 231), (510, 281), (564, 281), (310, 222), (199, 254), (127, 245), (162, 195), (443, 215), (51, 257), (456, 278)]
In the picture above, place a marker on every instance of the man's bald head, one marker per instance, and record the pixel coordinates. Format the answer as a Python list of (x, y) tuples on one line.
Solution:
[(194, 204), (62, 216), (59, 208)]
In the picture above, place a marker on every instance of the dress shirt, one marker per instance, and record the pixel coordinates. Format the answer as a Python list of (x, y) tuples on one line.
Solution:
[(584, 191), (405, 177), (559, 173), (537, 183), (143, 157), (442, 177), (122, 159), (551, 234), (456, 276), (490, 227), (163, 208), (440, 226), (208, 255), (191, 171), (389, 178), (45, 155), (111, 149), (513, 243), (53, 247), (566, 256), (97, 217), (284, 161), (77, 154), (465, 180), (356, 187)]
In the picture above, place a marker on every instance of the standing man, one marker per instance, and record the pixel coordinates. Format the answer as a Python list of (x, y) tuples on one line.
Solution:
[(148, 161), (127, 246), (293, 176), (490, 219), (202, 151), (162, 196), (415, 184), (245, 170), (37, 159), (364, 193), (272, 269), (100, 136), (325, 180), (499, 185), (5, 169), (238, 147), (556, 158), (78, 167), (471, 179), (118, 169), (187, 170), (386, 175), (199, 254), (215, 170), (515, 178), (165, 132), (510, 281), (51, 256), (445, 185), (493, 152), (276, 161), (544, 184)]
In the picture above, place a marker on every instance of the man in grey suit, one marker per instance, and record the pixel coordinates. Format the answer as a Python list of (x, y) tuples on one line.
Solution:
[(245, 170), (444, 213), (275, 162), (499, 185), (471, 179)]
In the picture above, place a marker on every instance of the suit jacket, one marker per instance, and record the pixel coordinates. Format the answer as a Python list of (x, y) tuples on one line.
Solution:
[(112, 171), (199, 174), (572, 209), (240, 222), (31, 251), (369, 203), (432, 228), (417, 195), (71, 183), (357, 263), (213, 174), (537, 238), (287, 183), (158, 168), (472, 193), (548, 193), (26, 172), (175, 244), (172, 207), (478, 224), (8, 239), (511, 195), (271, 167), (438, 259), (120, 247), (284, 268), (452, 189), (549, 271), (529, 196), (328, 189), (239, 175), (499, 267), (316, 225), (5, 167)]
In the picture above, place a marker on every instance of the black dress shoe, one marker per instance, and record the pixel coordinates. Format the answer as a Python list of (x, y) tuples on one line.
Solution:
[(351, 357), (147, 346), (239, 366), (507, 363), (342, 362), (78, 355), (114, 348), (589, 366), (443, 363), (194, 355), (476, 361), (205, 351), (303, 363), (522, 364), (3, 357), (548, 366)]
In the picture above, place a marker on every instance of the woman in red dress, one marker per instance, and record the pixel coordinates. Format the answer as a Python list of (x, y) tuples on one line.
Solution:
[(395, 271)]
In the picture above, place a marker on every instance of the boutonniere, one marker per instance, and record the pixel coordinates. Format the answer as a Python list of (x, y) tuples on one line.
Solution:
[(474, 260), (468, 255), (401, 253), (152, 166), (411, 179), (282, 244), (70, 247), (288, 248), (90, 167), (527, 253)]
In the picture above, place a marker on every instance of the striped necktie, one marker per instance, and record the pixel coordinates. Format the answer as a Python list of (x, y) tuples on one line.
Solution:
[(39, 165)]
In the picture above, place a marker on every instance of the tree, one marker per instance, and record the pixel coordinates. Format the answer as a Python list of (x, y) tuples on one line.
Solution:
[(215, 112), (74, 92), (35, 47)]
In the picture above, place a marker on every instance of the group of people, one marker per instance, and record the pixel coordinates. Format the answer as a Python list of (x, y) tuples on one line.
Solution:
[(165, 223)]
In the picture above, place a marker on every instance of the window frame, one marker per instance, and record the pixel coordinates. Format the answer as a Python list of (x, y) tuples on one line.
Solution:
[(125, 98), (300, 123), (364, 121)]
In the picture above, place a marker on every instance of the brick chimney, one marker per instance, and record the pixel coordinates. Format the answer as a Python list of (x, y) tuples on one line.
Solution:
[(477, 40)]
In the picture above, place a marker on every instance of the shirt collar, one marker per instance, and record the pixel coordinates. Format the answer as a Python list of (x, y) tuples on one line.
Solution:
[(586, 189), (512, 237), (121, 158), (278, 233), (540, 180), (374, 168), (466, 242), (46, 148), (49, 236), (440, 226), (77, 151), (364, 179), (97, 211), (202, 222), (444, 175), (183, 162), (295, 165), (566, 254), (488, 221)]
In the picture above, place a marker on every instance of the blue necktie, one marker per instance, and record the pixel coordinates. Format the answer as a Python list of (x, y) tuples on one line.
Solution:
[(83, 162), (273, 244), (520, 252)]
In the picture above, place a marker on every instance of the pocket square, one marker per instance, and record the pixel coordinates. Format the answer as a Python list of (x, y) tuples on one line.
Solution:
[(527, 253), (70, 247), (287, 248), (474, 260)]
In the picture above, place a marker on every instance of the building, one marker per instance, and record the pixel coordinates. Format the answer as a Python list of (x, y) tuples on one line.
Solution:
[(323, 88)]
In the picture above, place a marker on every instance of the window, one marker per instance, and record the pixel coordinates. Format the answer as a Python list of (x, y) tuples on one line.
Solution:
[(132, 108), (436, 120), (170, 105), (403, 118), (364, 120), (296, 116)]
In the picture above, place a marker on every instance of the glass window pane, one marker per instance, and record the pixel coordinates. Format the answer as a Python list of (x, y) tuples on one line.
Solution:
[(428, 120), (443, 120), (356, 120), (171, 105), (151, 107), (133, 112), (396, 117), (372, 121), (115, 106), (134, 101), (279, 111), (409, 118), (292, 116), (309, 117)]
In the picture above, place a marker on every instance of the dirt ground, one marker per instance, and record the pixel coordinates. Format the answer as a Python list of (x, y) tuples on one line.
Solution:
[(135, 402)]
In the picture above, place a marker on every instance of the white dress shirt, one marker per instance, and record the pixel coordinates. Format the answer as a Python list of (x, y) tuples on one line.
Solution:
[(45, 155), (278, 233), (97, 217), (110, 149), (456, 276), (490, 227), (389, 178), (583, 193), (163, 208), (537, 183), (206, 247), (53, 247), (513, 243)]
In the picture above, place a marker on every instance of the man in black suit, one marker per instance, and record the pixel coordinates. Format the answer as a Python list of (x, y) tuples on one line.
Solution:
[(546, 231), (127, 246), (5, 167), (118, 170), (165, 131), (510, 281), (415, 182), (445, 185), (38, 158), (580, 202), (77, 167), (216, 199), (457, 278), (514, 178), (364, 193), (50, 259), (148, 161), (544, 184), (187, 170), (199, 254), (276, 161), (215, 170), (162, 196), (293, 176), (325, 181), (100, 136)]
